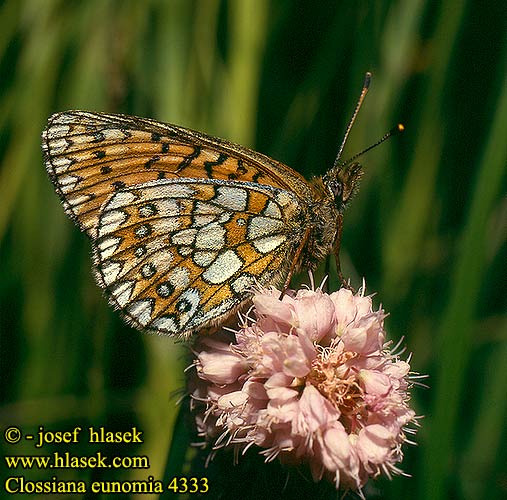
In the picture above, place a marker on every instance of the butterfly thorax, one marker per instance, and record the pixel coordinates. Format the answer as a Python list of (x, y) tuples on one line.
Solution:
[(332, 192), (323, 214)]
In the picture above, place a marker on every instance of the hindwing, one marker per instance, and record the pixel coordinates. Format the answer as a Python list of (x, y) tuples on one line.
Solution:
[(177, 255)]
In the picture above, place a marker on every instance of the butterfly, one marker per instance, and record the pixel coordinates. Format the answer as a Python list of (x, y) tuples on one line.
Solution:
[(182, 224)]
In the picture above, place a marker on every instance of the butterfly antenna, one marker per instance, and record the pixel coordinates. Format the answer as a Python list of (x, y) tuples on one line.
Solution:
[(364, 91), (397, 129)]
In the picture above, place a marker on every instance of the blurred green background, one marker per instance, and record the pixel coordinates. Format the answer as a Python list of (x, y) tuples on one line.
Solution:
[(427, 230)]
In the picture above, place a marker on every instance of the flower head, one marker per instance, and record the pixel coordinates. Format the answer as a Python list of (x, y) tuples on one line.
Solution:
[(310, 379)]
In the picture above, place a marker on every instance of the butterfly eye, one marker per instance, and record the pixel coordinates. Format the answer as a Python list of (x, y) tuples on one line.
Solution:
[(336, 188)]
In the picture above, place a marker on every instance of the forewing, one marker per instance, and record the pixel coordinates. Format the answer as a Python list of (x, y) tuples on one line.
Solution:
[(179, 255), (90, 156)]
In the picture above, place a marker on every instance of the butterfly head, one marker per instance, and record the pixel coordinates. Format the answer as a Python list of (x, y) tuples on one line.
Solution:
[(342, 183)]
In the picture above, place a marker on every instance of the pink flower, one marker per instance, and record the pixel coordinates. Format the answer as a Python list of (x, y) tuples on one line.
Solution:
[(316, 314), (219, 365), (310, 380)]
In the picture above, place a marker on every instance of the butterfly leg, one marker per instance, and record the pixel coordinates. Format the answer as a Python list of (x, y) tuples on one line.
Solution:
[(336, 250), (294, 262)]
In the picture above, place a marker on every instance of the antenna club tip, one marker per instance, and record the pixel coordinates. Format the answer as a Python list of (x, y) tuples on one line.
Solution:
[(367, 80), (397, 129)]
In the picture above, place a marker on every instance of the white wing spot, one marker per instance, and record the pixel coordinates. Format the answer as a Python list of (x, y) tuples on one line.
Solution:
[(68, 182), (284, 199), (270, 243), (121, 199), (263, 226), (167, 324), (162, 258), (141, 311), (184, 251), (166, 224), (167, 207), (75, 201), (203, 220), (113, 135), (225, 217), (111, 220), (59, 130), (272, 210), (203, 208), (224, 266), (184, 237), (63, 118), (180, 277), (231, 198), (110, 271), (211, 237), (61, 164), (123, 292), (108, 247), (172, 190), (204, 259), (58, 146), (243, 283)]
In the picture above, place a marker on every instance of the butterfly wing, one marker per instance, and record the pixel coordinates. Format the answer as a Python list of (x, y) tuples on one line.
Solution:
[(177, 255), (90, 156)]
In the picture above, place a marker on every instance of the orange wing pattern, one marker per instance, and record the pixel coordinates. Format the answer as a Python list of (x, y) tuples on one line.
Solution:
[(90, 156), (176, 255), (182, 224)]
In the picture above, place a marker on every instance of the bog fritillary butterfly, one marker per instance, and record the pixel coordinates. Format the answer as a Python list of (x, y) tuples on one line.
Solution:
[(183, 224)]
